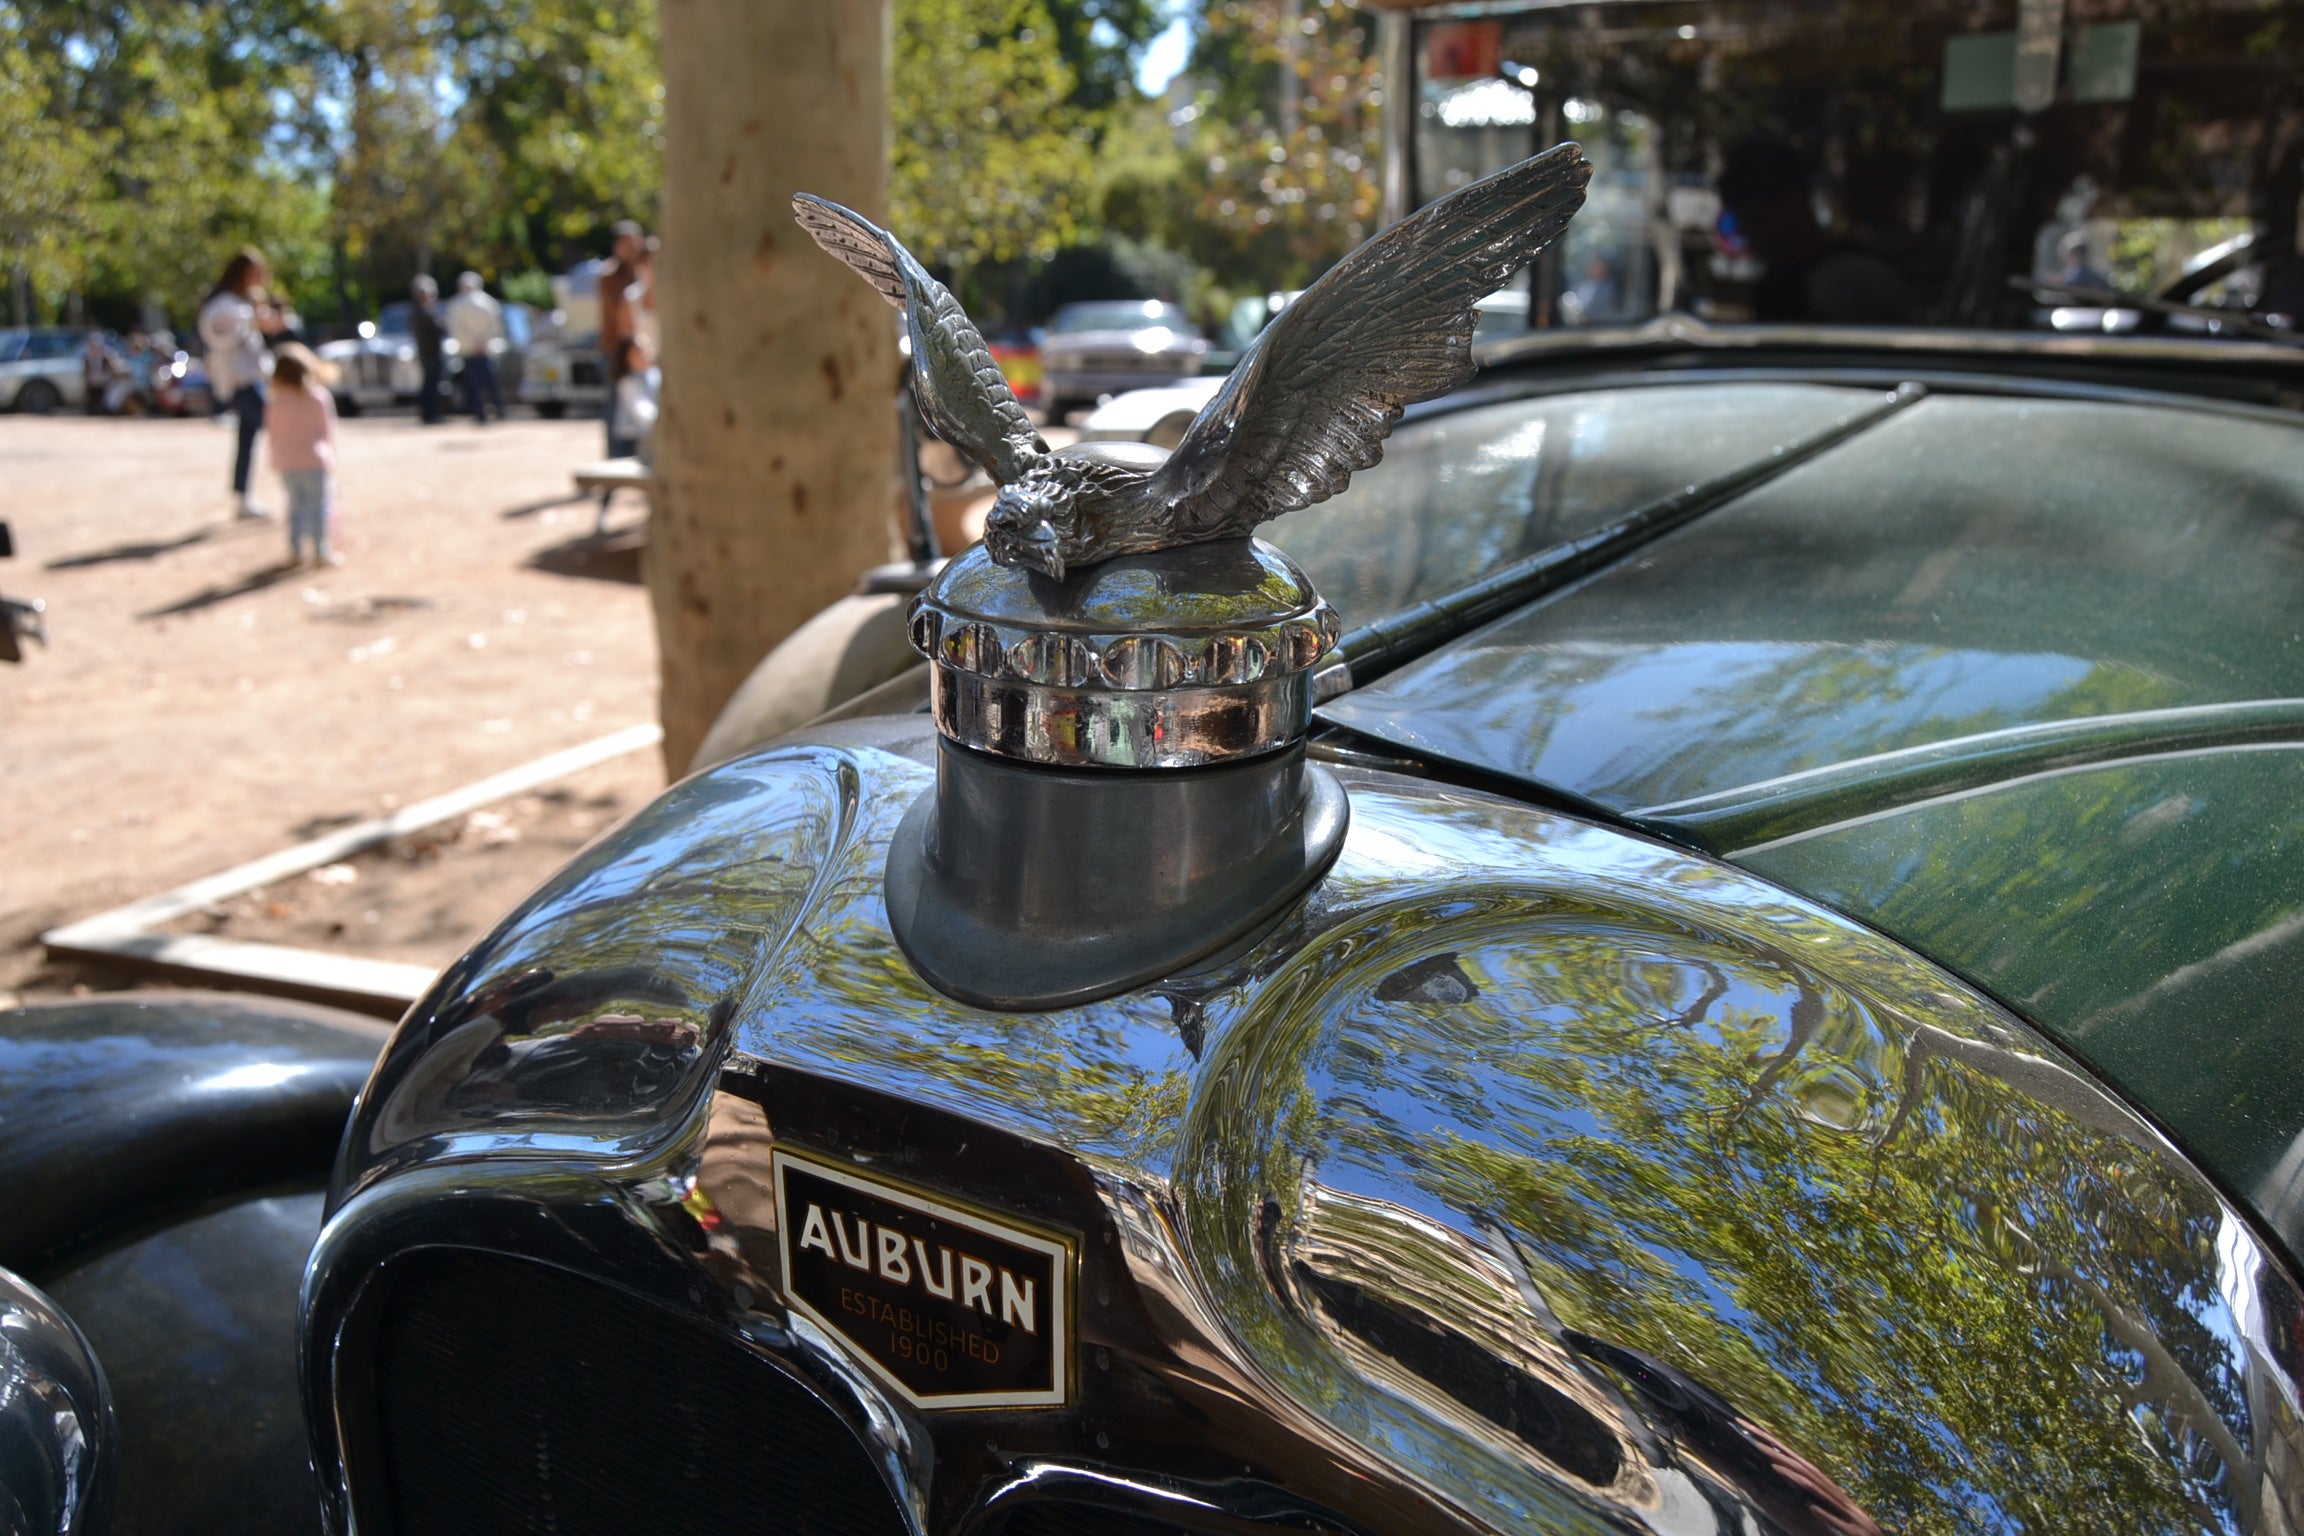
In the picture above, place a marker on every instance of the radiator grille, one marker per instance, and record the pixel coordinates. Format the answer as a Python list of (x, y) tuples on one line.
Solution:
[(514, 1398)]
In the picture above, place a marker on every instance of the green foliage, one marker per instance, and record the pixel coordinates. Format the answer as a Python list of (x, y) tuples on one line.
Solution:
[(144, 139), (44, 223), (992, 157), (360, 141), (1099, 40), (354, 141), (565, 113), (1259, 185), (532, 287), (509, 132), (1287, 182)]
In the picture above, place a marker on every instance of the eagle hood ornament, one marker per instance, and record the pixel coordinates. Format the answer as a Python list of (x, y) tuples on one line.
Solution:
[(1309, 404)]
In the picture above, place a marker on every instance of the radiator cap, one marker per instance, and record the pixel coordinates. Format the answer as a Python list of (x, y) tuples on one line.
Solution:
[(1121, 784), (1180, 658)]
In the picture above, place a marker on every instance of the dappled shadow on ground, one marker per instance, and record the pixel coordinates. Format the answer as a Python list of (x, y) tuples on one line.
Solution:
[(151, 549), (209, 597), (613, 556)]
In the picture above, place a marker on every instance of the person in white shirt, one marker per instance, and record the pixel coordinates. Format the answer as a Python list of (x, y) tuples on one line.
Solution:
[(476, 321), (234, 320), (637, 386), (632, 410)]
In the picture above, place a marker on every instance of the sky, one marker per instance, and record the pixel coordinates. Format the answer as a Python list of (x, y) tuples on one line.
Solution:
[(1164, 58)]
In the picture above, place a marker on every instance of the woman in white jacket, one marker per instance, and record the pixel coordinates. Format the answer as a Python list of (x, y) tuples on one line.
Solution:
[(234, 321)]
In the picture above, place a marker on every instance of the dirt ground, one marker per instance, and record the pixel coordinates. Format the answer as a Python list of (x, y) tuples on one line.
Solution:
[(201, 703)]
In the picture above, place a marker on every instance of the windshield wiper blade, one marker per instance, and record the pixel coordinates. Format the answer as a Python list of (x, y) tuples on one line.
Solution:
[(2239, 321), (1376, 648)]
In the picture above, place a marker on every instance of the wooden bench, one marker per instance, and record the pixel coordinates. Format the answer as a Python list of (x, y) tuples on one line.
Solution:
[(608, 476)]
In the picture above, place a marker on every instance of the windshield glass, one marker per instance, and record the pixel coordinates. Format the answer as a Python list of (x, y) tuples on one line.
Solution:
[(392, 319), (1128, 315), (11, 342), (2072, 165), (1462, 493)]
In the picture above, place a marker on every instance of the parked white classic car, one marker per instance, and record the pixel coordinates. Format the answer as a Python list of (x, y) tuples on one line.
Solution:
[(40, 369)]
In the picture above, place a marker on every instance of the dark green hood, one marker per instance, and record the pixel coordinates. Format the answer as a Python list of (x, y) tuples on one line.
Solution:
[(2018, 681)]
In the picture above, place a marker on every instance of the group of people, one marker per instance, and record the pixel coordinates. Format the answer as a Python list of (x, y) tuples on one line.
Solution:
[(277, 387), (135, 381), (475, 322), (281, 390), (628, 342)]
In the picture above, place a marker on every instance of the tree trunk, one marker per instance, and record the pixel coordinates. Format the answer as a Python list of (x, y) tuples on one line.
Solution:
[(774, 449)]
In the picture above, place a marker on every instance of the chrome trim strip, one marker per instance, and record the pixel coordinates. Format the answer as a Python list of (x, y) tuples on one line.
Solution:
[(59, 1448), (1780, 809), (1993, 786), (1669, 332)]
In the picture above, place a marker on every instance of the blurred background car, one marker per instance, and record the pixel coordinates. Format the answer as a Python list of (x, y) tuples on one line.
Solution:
[(1102, 348), (1243, 323), (1156, 416), (180, 388), (159, 378), (521, 324), (1019, 361), (560, 366), (378, 367), (40, 369)]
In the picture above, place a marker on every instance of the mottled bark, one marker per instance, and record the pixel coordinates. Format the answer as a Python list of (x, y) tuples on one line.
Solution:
[(775, 450)]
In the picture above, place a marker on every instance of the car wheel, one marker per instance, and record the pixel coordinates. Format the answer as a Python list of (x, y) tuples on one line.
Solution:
[(38, 398), (551, 410), (1055, 408), (348, 404)]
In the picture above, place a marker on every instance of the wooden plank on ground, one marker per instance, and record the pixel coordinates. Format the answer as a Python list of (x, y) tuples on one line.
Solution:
[(129, 933)]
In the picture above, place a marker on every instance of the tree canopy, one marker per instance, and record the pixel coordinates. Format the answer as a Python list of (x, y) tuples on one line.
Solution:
[(360, 141)]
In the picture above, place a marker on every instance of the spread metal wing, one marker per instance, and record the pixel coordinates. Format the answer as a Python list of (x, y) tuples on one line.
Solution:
[(957, 383), (1313, 399)]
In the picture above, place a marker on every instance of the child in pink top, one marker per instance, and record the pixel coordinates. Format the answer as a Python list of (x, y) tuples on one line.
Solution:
[(302, 421)]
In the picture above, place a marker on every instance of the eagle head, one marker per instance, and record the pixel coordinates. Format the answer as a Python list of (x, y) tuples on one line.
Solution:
[(1031, 520)]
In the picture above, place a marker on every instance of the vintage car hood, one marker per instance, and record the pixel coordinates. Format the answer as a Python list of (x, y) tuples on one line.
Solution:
[(2018, 681), (1528, 1174)]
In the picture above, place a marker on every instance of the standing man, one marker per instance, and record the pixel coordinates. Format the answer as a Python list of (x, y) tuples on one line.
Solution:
[(96, 374), (477, 323), (424, 325), (616, 319)]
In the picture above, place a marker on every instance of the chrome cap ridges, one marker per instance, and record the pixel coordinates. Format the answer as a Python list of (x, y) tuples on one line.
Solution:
[(1179, 658)]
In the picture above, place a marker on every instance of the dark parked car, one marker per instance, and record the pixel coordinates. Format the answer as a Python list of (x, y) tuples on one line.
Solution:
[(1713, 946)]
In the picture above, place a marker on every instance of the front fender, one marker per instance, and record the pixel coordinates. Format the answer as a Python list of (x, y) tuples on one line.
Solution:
[(161, 1162), (123, 1108)]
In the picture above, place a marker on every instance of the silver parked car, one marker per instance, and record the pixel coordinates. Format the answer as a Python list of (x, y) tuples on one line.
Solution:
[(40, 369), (562, 369), (562, 372), (1104, 348), (377, 368)]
